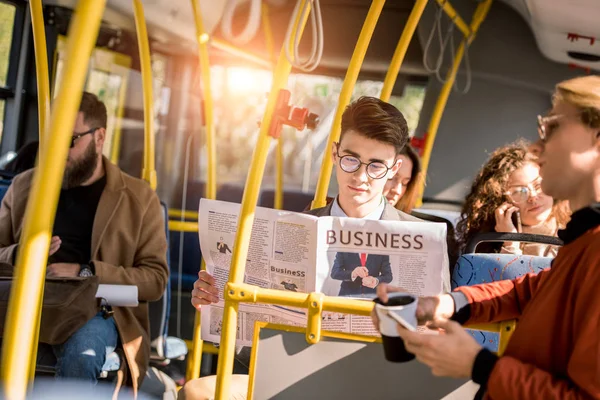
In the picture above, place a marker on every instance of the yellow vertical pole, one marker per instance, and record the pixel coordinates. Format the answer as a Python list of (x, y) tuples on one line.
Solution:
[(41, 67), (401, 48), (349, 81), (195, 358), (18, 339), (43, 93), (115, 147), (246, 219), (278, 201), (149, 171), (478, 17)]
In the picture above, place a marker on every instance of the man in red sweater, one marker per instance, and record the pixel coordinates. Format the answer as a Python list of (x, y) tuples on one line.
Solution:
[(555, 351)]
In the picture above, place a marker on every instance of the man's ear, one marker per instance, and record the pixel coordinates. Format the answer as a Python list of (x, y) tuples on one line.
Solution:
[(394, 170), (333, 151), (100, 136)]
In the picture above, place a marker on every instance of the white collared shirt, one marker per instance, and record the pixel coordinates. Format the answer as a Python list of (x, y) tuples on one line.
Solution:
[(336, 210)]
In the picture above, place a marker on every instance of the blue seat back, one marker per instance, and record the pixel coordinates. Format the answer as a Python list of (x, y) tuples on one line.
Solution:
[(474, 269), (292, 200), (4, 184)]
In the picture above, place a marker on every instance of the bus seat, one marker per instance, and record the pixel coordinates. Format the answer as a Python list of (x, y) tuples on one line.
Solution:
[(204, 388), (473, 269), (292, 200), (163, 346), (286, 366), (190, 260), (230, 193)]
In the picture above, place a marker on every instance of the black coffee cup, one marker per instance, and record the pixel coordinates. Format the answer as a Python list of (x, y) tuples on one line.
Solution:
[(393, 346)]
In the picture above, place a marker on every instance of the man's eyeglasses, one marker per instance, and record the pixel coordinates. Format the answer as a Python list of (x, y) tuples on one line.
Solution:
[(546, 125), (520, 194), (78, 135), (351, 164)]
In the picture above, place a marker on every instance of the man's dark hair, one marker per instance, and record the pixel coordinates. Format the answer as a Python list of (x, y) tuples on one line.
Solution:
[(376, 119), (94, 111)]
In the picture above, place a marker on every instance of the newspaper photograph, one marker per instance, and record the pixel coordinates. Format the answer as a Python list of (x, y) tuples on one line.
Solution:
[(298, 252)]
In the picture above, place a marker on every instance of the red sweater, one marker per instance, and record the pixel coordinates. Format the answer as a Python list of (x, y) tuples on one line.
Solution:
[(555, 351)]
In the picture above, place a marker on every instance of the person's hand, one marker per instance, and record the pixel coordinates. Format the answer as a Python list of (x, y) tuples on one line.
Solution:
[(504, 215), (361, 272), (63, 270), (452, 353), (55, 243), (370, 282), (428, 308), (204, 291)]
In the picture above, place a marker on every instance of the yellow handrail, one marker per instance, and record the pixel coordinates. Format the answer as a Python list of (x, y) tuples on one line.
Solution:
[(195, 356), (246, 219), (187, 214), (43, 89), (149, 171), (41, 68), (278, 201), (478, 18), (400, 53), (279, 161), (115, 147), (25, 296), (349, 81), (316, 303), (455, 17)]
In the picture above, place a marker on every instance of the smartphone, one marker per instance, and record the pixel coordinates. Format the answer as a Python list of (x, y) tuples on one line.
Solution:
[(516, 220), (401, 321)]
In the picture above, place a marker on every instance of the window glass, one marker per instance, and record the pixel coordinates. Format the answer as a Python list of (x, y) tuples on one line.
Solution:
[(7, 21)]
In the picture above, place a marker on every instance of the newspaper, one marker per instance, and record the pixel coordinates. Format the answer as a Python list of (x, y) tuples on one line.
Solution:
[(302, 253)]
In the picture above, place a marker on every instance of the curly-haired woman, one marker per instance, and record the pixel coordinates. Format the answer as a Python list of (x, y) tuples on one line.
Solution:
[(506, 196)]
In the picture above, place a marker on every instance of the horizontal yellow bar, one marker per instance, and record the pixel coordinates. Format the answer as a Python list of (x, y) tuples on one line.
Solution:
[(206, 347), (175, 213), (242, 292), (178, 226), (453, 15), (492, 327), (238, 52)]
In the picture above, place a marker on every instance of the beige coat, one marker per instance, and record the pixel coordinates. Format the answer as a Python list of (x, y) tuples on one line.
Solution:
[(129, 247)]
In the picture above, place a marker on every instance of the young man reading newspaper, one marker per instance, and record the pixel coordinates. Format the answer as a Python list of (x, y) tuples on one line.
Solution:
[(373, 133), (555, 350)]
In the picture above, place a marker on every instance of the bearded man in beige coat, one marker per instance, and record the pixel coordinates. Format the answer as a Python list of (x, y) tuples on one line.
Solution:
[(107, 224)]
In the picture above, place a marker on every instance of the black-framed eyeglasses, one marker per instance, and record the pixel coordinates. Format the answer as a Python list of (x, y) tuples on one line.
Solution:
[(78, 135), (520, 194), (351, 164)]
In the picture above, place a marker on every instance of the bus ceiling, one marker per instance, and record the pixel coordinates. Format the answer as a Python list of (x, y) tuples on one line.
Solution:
[(565, 32)]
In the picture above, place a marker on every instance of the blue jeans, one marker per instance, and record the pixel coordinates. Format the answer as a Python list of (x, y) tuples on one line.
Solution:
[(83, 354)]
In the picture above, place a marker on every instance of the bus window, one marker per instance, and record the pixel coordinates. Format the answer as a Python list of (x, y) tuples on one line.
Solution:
[(410, 103), (7, 18)]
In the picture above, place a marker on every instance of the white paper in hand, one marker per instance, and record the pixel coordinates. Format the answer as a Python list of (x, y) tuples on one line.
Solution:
[(118, 295)]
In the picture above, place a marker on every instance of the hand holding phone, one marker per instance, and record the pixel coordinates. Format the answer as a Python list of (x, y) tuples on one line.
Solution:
[(516, 220)]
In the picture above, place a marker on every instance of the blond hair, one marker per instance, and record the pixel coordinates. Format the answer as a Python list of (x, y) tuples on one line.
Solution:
[(583, 93)]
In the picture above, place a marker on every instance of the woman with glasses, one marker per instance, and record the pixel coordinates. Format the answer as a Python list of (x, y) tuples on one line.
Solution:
[(506, 196), (403, 189)]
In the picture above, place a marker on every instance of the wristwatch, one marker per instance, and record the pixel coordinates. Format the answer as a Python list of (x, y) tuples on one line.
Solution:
[(85, 271)]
